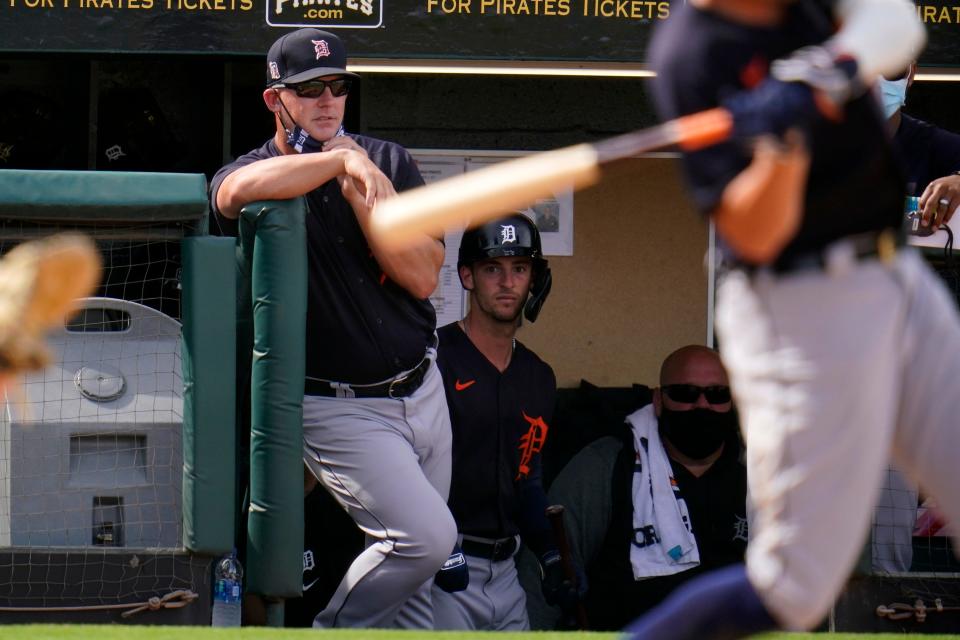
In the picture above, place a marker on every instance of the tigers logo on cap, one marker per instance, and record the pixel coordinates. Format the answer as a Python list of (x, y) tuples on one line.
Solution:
[(320, 48)]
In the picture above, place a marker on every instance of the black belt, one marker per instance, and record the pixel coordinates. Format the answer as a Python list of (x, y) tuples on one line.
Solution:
[(872, 244), (494, 550), (400, 387)]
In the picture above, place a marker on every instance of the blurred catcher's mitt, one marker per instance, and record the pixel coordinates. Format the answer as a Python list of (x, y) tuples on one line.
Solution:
[(40, 282)]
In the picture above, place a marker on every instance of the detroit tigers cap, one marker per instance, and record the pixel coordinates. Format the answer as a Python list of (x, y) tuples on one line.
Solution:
[(305, 54)]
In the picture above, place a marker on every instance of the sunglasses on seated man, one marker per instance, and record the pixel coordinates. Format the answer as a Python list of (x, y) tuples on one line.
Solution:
[(339, 87), (690, 393)]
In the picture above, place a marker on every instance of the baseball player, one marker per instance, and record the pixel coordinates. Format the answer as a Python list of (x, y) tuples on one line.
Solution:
[(376, 425), (501, 398), (837, 340)]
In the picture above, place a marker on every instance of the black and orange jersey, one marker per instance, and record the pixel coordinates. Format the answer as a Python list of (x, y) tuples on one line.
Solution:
[(500, 424), (854, 184)]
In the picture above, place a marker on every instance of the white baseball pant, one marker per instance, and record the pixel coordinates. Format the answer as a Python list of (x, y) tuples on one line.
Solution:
[(830, 370)]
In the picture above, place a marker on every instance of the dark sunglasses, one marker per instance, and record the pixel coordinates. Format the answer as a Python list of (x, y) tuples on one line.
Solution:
[(314, 88), (690, 393)]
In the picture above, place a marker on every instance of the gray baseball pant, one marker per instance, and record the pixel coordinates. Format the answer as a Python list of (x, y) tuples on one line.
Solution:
[(387, 462)]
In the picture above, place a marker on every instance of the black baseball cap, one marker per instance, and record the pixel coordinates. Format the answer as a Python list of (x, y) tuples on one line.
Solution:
[(305, 54)]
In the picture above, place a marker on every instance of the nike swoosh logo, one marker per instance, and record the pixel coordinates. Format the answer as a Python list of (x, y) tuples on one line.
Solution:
[(306, 587), (460, 386)]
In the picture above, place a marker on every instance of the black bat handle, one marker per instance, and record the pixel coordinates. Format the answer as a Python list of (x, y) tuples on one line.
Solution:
[(555, 516)]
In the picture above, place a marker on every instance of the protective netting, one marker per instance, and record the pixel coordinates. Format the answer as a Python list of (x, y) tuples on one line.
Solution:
[(912, 550), (90, 447)]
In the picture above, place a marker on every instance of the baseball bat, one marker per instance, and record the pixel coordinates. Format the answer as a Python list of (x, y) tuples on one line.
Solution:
[(482, 195), (555, 516)]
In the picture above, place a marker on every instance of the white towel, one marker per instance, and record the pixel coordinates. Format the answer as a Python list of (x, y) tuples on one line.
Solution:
[(663, 543)]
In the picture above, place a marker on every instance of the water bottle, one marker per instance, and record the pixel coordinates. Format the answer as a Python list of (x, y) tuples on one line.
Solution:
[(227, 581)]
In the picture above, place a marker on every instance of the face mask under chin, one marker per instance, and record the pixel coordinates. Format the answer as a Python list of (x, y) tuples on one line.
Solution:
[(303, 142), (299, 139)]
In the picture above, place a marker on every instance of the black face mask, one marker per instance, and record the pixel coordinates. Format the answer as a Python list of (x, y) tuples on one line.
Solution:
[(699, 432)]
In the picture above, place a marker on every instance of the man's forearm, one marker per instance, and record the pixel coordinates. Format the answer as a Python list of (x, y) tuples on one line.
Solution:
[(761, 208), (278, 178)]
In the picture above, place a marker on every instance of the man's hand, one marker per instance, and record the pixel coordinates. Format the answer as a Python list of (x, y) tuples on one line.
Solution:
[(357, 194), (454, 575), (557, 589), (343, 142), (371, 183), (939, 201)]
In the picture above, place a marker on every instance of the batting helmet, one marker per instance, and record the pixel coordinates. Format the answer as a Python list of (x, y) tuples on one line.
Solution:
[(513, 235)]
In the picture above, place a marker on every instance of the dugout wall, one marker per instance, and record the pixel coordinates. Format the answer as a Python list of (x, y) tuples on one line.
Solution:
[(94, 446)]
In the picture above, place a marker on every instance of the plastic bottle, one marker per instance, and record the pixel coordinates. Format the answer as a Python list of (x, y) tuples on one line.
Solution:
[(227, 584)]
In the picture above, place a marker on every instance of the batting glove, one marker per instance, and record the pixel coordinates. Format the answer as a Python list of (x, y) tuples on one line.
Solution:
[(809, 84), (453, 575), (557, 589), (836, 79), (771, 109)]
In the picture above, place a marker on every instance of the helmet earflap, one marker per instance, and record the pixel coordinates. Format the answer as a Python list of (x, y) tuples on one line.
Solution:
[(539, 290), (460, 275)]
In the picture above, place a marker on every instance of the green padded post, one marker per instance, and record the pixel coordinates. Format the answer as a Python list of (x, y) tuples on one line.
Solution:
[(121, 197), (278, 288), (209, 352)]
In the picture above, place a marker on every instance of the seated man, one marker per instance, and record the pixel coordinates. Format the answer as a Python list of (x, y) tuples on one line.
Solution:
[(648, 510), (930, 155)]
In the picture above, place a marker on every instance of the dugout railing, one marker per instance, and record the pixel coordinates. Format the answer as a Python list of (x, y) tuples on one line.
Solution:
[(272, 309)]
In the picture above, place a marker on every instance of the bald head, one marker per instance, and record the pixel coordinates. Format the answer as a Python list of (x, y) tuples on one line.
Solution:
[(693, 364), (694, 407)]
